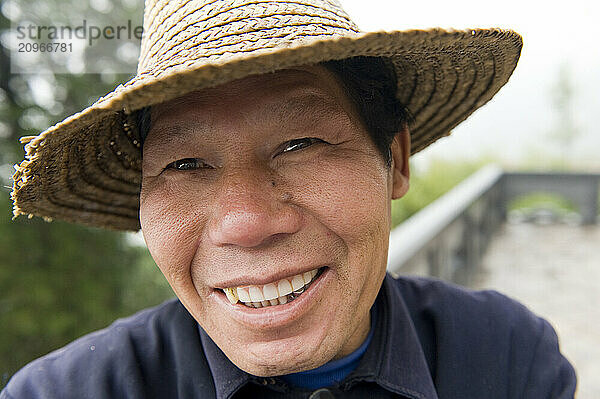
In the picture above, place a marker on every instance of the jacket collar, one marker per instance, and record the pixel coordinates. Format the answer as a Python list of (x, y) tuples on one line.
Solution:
[(395, 359)]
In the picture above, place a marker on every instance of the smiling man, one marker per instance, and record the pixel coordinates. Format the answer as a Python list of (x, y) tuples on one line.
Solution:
[(259, 148), (249, 206)]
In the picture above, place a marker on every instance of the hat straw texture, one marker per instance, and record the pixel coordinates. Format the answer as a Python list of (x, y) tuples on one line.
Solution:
[(87, 168)]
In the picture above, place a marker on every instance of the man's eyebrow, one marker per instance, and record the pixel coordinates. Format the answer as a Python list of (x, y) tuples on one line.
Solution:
[(175, 133), (308, 106)]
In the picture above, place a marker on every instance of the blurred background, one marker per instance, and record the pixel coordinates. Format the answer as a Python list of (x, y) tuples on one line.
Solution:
[(59, 281)]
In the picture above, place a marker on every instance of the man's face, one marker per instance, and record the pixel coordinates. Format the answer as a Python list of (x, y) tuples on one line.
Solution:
[(254, 182)]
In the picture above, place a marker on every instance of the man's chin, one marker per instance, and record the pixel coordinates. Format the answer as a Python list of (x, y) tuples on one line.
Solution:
[(280, 367), (279, 358)]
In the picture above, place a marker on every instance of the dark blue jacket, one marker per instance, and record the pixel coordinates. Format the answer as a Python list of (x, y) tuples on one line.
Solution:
[(432, 340)]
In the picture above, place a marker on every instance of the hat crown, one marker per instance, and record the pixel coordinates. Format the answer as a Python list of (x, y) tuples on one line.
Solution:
[(183, 35)]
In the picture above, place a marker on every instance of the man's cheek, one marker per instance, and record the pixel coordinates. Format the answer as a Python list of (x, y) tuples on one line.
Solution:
[(351, 195), (169, 233)]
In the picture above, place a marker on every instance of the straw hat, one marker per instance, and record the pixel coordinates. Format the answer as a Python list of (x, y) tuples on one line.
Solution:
[(86, 169)]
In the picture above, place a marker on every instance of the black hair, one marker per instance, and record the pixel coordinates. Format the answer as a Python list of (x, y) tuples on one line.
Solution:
[(371, 83), (144, 123)]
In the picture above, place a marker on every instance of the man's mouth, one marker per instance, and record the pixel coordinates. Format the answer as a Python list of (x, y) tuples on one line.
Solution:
[(272, 294)]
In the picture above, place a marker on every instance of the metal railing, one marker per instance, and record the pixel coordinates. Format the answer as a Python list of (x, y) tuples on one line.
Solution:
[(448, 238)]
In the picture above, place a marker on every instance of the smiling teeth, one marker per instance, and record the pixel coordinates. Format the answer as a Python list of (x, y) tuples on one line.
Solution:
[(277, 293), (231, 294)]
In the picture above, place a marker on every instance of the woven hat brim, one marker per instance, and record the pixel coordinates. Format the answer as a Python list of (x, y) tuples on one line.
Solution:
[(87, 168)]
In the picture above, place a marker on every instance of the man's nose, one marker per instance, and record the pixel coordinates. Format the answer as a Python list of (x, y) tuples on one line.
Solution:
[(249, 210)]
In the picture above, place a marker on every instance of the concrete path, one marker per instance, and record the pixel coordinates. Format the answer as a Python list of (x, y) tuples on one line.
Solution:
[(555, 271)]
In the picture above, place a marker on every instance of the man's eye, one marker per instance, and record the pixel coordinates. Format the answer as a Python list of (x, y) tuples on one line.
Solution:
[(187, 164), (298, 144)]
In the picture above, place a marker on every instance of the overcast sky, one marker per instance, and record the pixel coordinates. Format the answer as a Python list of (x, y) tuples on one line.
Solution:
[(517, 119)]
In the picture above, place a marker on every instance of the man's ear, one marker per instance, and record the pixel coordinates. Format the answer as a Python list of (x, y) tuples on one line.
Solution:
[(400, 149)]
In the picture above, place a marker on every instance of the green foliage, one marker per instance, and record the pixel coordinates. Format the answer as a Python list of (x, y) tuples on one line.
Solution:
[(542, 201), (429, 184), (59, 281)]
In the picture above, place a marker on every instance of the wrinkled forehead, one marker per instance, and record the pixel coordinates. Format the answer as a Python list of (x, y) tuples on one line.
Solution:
[(285, 95)]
